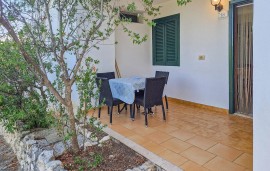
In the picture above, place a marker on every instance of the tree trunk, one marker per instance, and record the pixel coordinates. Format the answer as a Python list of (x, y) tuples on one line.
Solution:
[(69, 107)]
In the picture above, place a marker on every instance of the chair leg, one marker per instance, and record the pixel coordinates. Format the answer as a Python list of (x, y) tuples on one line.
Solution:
[(166, 100), (118, 108), (133, 117), (111, 110), (164, 114), (130, 110), (99, 111), (108, 110), (145, 115), (138, 108), (150, 111), (125, 106)]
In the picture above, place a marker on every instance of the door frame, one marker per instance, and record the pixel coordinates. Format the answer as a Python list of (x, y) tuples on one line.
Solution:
[(232, 5)]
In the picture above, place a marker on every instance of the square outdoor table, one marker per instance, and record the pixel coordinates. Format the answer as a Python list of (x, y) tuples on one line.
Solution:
[(124, 88)]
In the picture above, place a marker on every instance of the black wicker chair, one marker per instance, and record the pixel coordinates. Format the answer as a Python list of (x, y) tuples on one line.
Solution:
[(166, 75), (106, 96), (152, 96), (108, 75)]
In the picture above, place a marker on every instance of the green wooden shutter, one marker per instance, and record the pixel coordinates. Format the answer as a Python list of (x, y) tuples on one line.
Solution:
[(159, 44), (166, 41), (172, 42)]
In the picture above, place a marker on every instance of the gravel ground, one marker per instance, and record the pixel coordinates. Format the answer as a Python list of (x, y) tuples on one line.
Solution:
[(8, 160)]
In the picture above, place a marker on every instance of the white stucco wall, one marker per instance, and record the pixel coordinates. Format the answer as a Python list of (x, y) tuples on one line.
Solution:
[(105, 54), (261, 96), (133, 60), (201, 33)]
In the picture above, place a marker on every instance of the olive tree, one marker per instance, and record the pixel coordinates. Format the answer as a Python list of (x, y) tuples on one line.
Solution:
[(59, 31)]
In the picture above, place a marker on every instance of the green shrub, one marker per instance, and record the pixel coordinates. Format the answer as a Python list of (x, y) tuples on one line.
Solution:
[(22, 98)]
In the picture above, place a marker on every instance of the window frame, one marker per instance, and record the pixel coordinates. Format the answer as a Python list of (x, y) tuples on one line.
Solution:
[(164, 20)]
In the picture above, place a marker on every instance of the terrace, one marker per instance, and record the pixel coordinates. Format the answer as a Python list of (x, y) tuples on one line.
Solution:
[(192, 138)]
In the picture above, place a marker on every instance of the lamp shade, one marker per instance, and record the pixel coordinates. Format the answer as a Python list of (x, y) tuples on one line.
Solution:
[(215, 2)]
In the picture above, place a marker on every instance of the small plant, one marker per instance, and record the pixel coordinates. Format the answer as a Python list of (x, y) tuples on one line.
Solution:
[(97, 160), (97, 127), (86, 163), (78, 160)]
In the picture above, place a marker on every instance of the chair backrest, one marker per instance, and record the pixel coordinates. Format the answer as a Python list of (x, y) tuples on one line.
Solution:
[(162, 74), (154, 91), (104, 90), (108, 75)]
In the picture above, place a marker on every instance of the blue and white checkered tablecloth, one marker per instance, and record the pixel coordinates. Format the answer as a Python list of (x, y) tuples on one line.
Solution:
[(124, 88)]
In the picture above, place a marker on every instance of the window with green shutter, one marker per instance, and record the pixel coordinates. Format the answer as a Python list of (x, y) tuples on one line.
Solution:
[(166, 37)]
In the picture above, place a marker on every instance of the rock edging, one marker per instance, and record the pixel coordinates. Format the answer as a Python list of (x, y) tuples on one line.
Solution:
[(32, 153), (37, 150)]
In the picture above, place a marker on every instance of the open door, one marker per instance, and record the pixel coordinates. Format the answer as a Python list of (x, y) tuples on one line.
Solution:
[(242, 57)]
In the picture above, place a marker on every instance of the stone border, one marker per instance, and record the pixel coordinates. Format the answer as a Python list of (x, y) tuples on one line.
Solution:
[(36, 155), (146, 153), (37, 150)]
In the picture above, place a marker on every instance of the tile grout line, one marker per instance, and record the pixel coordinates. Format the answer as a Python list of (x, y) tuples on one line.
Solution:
[(238, 156), (239, 164), (211, 146), (184, 162), (226, 160), (209, 160)]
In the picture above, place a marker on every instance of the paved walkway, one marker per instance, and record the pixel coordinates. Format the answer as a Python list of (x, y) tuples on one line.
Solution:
[(8, 160)]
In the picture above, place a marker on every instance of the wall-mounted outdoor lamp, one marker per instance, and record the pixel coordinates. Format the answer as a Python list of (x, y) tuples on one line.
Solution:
[(218, 6)]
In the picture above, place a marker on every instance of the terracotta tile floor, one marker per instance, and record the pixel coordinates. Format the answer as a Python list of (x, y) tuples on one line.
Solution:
[(191, 138)]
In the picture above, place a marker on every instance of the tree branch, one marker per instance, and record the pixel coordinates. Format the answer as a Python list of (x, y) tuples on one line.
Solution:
[(29, 60), (59, 59)]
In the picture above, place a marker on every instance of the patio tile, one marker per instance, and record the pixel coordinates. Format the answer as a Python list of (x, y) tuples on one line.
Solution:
[(122, 130), (139, 139), (225, 152), (205, 132), (143, 131), (223, 128), (186, 125), (172, 121), (182, 134), (197, 155), (243, 135), (155, 123), (245, 160), (207, 123), (191, 166), (201, 142), (244, 145), (166, 128), (176, 145), (131, 125), (219, 164), (154, 147), (159, 137), (173, 157)]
